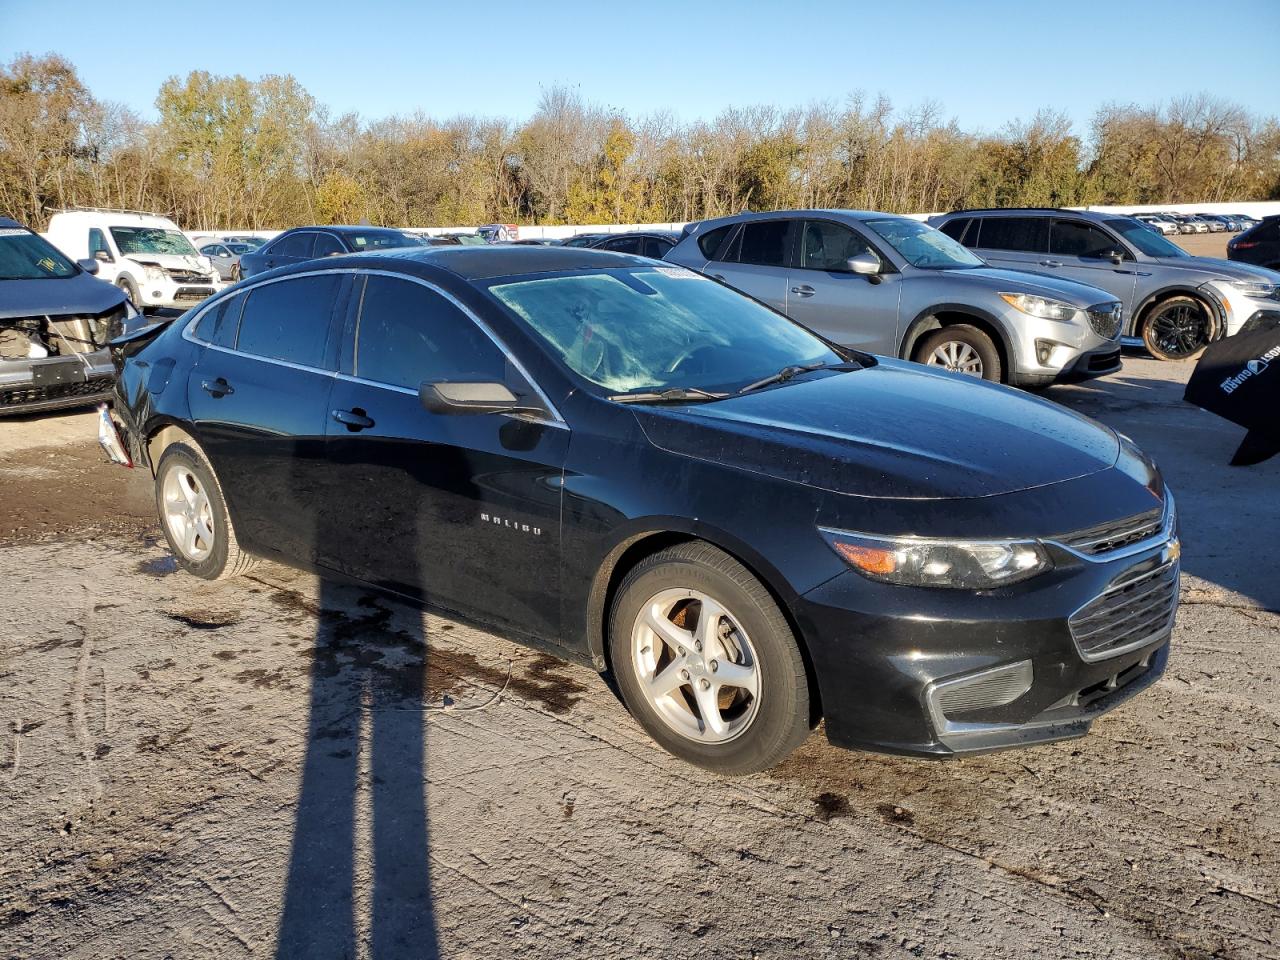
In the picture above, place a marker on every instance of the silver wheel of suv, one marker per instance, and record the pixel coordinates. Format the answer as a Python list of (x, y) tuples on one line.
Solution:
[(956, 356), (695, 665), (188, 513)]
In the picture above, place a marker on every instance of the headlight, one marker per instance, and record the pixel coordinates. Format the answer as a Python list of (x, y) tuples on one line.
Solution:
[(922, 562), (1041, 307), (1254, 288), (153, 272)]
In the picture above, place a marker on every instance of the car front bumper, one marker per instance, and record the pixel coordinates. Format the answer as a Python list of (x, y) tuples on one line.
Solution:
[(1075, 351), (32, 386), (910, 670), (180, 295)]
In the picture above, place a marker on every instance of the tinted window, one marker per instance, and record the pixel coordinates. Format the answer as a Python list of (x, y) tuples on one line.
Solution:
[(218, 325), (293, 245), (98, 241), (710, 241), (327, 245), (955, 228), (1071, 238), (1026, 234), (826, 246), (622, 245), (765, 242), (656, 247), (409, 333), (1268, 231), (289, 320)]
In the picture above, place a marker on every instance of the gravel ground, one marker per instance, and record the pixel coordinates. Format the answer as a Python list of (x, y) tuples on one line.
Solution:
[(274, 766)]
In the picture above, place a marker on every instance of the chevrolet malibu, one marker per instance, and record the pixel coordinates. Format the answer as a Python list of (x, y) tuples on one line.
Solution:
[(749, 528)]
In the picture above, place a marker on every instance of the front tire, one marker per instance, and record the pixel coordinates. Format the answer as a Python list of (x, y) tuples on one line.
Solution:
[(131, 291), (1177, 328), (707, 663), (194, 516), (960, 348)]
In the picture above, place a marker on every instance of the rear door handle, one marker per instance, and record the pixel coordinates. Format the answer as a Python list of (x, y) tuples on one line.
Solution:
[(216, 388), (353, 420), (1050, 263), (804, 290)]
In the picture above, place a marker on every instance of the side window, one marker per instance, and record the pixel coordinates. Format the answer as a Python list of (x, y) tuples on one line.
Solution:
[(98, 243), (289, 320), (327, 245), (293, 245), (656, 247), (219, 324), (623, 245), (408, 333), (1071, 238), (1019, 234), (765, 242), (1266, 232), (955, 228), (826, 246), (711, 241)]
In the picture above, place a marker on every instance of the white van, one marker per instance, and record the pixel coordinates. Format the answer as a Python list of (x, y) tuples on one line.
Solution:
[(143, 254)]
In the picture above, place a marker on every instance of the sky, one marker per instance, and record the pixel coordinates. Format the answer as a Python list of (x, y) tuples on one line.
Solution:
[(983, 63)]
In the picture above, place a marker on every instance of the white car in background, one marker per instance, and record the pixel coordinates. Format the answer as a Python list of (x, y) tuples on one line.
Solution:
[(1161, 224), (143, 254)]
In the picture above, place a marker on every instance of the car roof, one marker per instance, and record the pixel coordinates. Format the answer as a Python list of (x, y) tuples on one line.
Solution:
[(346, 228), (9, 223)]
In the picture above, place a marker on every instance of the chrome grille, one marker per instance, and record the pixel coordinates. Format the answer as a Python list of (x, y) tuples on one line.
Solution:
[(188, 276), (1128, 615), (1105, 319), (1114, 534)]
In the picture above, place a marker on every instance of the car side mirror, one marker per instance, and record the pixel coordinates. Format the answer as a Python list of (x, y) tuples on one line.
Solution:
[(471, 397), (88, 266), (103, 256), (866, 264)]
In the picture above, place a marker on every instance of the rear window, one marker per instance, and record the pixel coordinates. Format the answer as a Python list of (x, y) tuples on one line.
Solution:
[(710, 241), (219, 323), (289, 320), (1026, 234)]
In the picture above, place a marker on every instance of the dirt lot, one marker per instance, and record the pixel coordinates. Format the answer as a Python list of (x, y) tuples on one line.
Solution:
[(274, 767)]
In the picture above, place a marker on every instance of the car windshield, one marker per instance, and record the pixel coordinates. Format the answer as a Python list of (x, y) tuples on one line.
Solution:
[(133, 240), (378, 239), (924, 247), (1152, 244), (657, 328), (26, 256)]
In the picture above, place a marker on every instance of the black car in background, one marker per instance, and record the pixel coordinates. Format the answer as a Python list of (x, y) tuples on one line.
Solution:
[(55, 320), (312, 243), (644, 243), (749, 527), (1259, 245)]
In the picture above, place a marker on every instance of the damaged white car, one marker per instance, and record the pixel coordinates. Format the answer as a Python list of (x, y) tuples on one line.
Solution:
[(145, 255), (55, 321)]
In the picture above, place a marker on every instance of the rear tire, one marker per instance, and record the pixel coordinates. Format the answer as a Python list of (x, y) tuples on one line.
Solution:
[(193, 515), (736, 694), (960, 348), (1178, 328)]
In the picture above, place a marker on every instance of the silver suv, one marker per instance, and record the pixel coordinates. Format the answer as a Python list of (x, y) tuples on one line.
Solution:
[(892, 285), (1174, 302)]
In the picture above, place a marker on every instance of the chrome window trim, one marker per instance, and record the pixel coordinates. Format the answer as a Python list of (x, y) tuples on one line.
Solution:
[(188, 333)]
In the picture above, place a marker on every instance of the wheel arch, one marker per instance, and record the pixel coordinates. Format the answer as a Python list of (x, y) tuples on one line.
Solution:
[(649, 537), (1138, 316), (949, 314)]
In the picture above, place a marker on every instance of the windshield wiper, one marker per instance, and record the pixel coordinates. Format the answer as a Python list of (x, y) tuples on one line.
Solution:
[(674, 395), (795, 369)]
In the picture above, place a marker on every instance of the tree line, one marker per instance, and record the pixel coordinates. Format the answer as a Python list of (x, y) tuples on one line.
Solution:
[(229, 152)]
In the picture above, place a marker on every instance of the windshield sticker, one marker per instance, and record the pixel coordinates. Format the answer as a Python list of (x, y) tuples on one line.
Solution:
[(13, 232), (679, 273)]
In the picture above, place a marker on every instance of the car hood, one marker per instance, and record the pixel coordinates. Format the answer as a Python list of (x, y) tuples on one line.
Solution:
[(895, 430), (174, 261), (79, 294), (1219, 269), (1018, 281)]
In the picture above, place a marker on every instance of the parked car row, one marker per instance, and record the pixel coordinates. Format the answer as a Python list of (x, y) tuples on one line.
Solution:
[(1172, 223)]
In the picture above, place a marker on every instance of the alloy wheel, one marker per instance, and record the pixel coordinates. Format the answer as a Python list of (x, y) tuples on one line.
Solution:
[(696, 666), (957, 356), (188, 513), (1179, 330)]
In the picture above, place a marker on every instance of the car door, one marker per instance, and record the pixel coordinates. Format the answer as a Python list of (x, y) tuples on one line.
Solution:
[(291, 248), (460, 510), (757, 260), (1079, 250), (827, 297), (1014, 243), (258, 398), (221, 258)]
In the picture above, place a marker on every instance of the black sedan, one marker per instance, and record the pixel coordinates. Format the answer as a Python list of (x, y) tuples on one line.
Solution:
[(1260, 244), (750, 528), (312, 243), (646, 243)]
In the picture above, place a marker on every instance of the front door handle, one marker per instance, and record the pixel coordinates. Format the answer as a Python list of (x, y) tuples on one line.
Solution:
[(353, 420), (1050, 263), (216, 388), (718, 276), (804, 290)]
